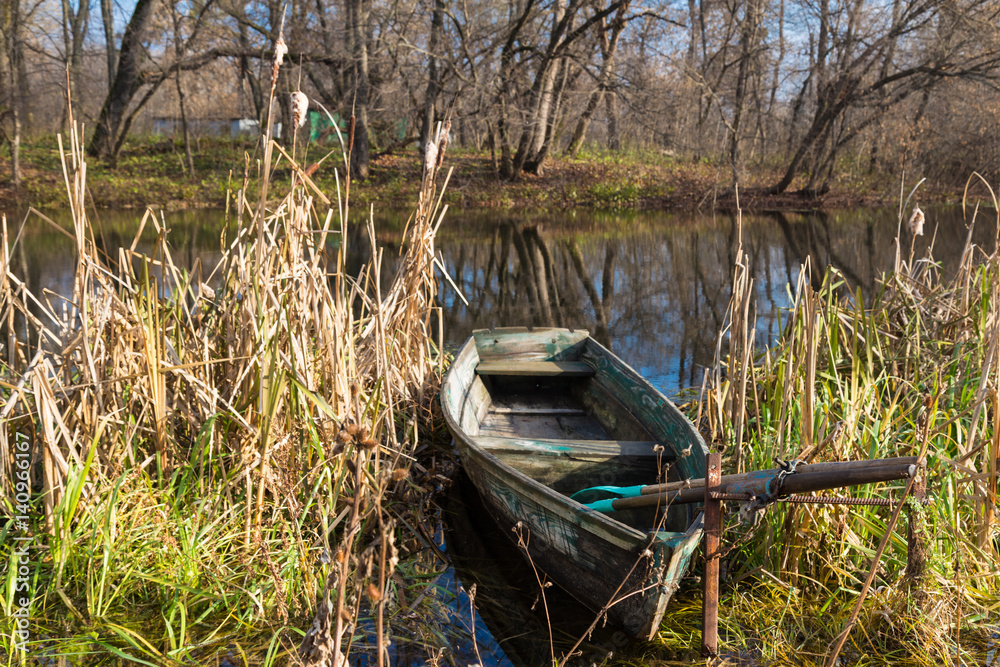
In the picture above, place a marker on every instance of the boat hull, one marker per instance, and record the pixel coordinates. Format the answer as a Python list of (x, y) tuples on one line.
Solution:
[(628, 572)]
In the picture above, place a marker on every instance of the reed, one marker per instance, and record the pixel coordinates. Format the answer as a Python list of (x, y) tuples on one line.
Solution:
[(912, 366), (217, 459)]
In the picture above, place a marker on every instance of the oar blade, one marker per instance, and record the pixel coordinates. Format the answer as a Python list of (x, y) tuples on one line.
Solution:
[(595, 493)]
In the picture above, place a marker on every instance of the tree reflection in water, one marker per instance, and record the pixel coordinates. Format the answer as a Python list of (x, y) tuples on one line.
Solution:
[(655, 287), (652, 286)]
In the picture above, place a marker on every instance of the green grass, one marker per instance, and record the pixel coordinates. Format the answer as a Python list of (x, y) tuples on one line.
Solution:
[(211, 467), (910, 369), (150, 172)]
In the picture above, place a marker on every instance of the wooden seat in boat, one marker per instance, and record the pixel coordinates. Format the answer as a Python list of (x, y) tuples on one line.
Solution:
[(641, 448), (536, 368)]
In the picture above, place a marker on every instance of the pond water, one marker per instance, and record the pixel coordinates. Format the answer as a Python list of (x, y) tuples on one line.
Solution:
[(654, 287)]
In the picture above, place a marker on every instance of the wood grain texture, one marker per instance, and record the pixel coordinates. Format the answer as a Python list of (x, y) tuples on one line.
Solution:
[(535, 368), (607, 448)]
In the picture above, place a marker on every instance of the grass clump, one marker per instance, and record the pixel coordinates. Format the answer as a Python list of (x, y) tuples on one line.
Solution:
[(214, 460), (912, 369)]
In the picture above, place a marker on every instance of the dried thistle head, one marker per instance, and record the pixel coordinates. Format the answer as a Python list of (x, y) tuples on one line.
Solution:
[(399, 474), (300, 109), (916, 223), (374, 593), (343, 437), (352, 429), (368, 444)]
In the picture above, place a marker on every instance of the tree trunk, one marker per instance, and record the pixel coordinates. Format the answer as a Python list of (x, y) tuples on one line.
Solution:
[(611, 111), (178, 51), (74, 31), (13, 80), (357, 30), (124, 87), (609, 48), (553, 120), (15, 144), (776, 71), (111, 52), (256, 94), (748, 39), (505, 76), (561, 37), (433, 75)]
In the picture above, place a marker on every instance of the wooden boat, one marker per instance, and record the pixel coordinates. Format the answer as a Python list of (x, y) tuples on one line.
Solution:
[(540, 414)]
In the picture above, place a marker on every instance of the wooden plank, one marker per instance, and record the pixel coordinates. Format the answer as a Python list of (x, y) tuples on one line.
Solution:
[(538, 411), (535, 368), (523, 344), (583, 447)]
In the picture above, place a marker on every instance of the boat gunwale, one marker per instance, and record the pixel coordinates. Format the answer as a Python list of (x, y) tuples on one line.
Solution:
[(626, 536)]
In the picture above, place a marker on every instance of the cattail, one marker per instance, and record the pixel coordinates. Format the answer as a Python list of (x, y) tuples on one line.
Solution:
[(916, 223), (430, 157), (445, 131), (280, 50), (300, 108)]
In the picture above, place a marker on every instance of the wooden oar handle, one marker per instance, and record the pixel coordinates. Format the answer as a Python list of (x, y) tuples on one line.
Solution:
[(799, 482), (766, 475)]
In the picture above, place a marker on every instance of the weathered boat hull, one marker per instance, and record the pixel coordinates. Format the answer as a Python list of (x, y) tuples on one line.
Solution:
[(525, 460)]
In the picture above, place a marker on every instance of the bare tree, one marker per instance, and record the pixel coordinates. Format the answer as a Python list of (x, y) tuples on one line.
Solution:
[(106, 139), (75, 23), (869, 62), (13, 81)]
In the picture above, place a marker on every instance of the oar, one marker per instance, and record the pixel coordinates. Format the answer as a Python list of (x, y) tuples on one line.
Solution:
[(601, 492), (806, 478)]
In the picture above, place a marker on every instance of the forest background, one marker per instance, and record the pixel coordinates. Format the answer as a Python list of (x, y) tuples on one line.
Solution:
[(656, 102)]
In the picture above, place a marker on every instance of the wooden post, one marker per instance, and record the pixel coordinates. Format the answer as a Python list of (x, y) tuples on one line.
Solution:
[(713, 534), (916, 547)]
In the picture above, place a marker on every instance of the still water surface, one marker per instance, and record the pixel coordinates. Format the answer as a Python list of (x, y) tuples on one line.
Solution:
[(654, 287)]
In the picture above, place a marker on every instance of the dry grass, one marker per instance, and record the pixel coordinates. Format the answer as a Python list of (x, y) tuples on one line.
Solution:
[(214, 454), (914, 367)]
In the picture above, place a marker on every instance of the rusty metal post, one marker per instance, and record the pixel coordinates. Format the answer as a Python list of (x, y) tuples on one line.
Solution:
[(713, 535)]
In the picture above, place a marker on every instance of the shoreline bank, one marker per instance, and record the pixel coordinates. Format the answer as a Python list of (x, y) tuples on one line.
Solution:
[(150, 173)]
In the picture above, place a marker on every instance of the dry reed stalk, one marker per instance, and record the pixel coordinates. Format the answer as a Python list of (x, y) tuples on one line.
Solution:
[(741, 348), (284, 344), (845, 381)]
